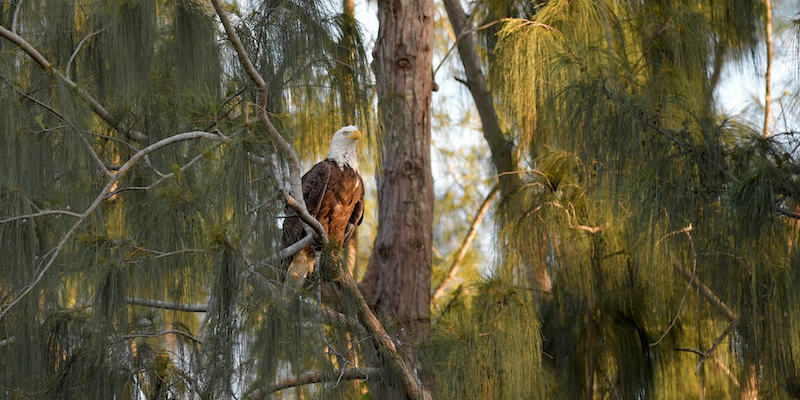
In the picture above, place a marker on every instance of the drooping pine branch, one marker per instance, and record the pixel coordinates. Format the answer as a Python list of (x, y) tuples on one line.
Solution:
[(51, 255), (98, 108)]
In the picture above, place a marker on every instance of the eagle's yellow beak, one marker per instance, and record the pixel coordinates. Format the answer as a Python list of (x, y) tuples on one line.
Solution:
[(355, 135)]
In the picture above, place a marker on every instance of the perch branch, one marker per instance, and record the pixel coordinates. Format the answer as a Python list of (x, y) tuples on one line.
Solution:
[(304, 215)]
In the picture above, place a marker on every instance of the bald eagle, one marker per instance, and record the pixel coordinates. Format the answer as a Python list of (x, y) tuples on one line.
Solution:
[(334, 194)]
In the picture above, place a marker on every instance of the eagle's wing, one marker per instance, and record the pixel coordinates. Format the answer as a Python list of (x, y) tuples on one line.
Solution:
[(358, 212), (315, 183)]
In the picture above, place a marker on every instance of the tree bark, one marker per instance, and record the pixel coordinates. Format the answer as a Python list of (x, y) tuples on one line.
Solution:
[(398, 277)]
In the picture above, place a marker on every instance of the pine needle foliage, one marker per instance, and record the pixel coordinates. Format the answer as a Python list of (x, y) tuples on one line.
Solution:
[(488, 346), (195, 223), (633, 175)]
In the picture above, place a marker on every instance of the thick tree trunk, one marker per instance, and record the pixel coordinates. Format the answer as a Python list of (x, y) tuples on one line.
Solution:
[(398, 277)]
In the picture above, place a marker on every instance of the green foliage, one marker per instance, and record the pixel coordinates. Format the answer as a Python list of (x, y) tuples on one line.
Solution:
[(489, 348), (194, 222), (614, 103)]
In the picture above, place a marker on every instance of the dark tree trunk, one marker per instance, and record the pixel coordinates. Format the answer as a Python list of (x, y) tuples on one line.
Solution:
[(397, 280)]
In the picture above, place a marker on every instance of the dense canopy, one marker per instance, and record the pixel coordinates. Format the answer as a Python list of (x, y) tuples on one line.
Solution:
[(644, 241)]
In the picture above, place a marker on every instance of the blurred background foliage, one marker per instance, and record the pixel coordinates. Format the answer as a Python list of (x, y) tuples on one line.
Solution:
[(637, 190)]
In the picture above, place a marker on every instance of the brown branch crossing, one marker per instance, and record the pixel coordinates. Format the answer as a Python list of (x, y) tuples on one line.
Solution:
[(316, 377), (706, 292)]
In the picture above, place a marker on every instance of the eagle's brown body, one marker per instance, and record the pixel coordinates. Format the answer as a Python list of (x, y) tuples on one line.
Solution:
[(335, 197)]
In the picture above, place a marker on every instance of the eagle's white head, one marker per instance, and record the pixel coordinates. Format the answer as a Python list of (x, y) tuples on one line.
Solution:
[(343, 147)]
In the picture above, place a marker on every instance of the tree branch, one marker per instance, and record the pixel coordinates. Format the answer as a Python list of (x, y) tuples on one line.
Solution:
[(168, 305), (501, 149), (706, 292), (78, 48), (306, 217), (316, 377), (716, 343), (41, 214), (244, 59), (297, 246), (462, 251), (162, 333), (717, 361), (98, 109)]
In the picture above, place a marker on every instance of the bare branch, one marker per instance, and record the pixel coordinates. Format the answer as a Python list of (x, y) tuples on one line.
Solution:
[(316, 377), (717, 361), (414, 390), (304, 215), (49, 258), (168, 305), (41, 214), (32, 99), (706, 292), (96, 106), (60, 116), (462, 251), (296, 247), (716, 343), (14, 17), (162, 333), (688, 233), (499, 146), (78, 48), (244, 59)]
